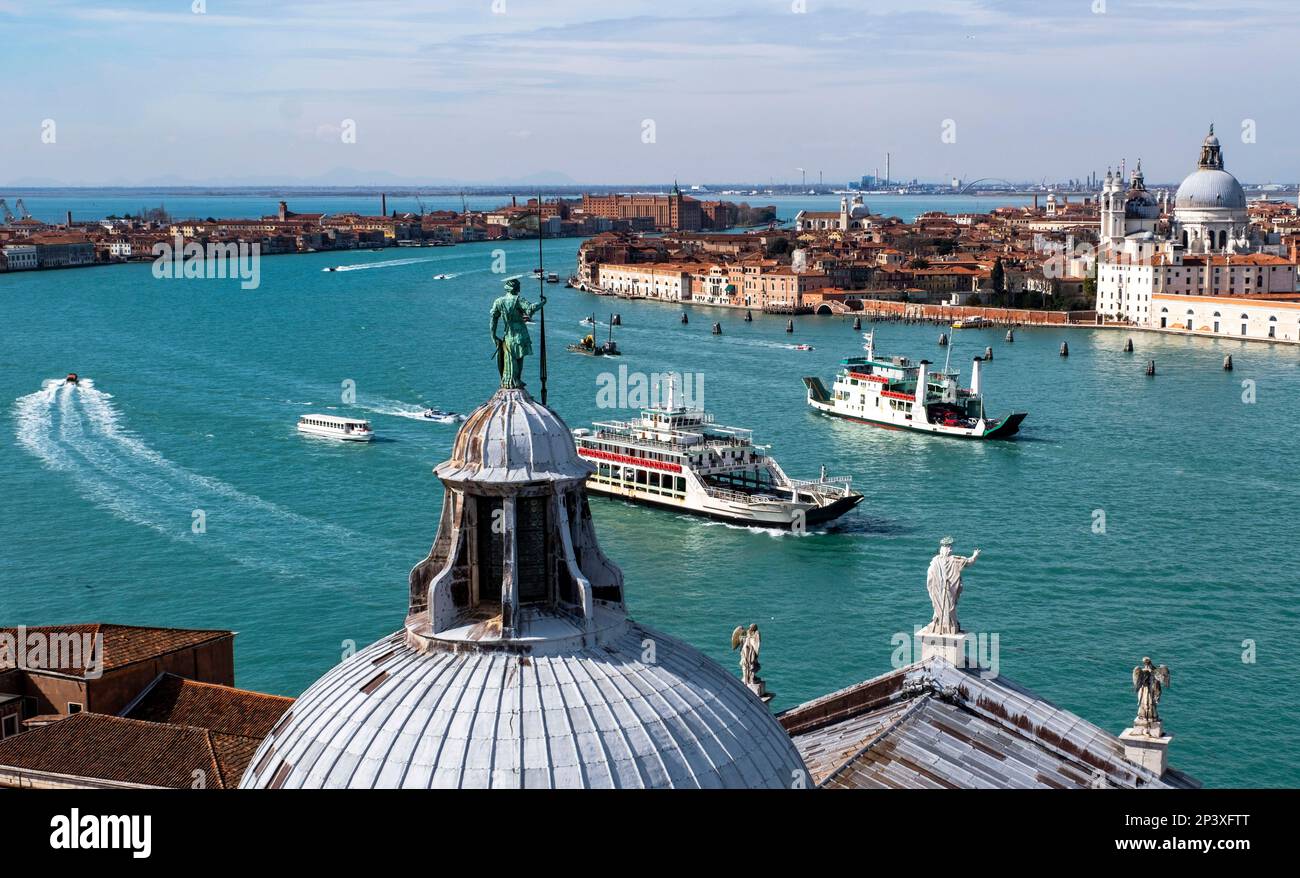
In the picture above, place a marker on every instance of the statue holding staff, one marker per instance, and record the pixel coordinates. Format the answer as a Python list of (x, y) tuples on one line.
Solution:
[(943, 583), (511, 311)]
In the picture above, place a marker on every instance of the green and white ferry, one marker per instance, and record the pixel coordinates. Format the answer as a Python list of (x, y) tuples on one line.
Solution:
[(900, 394)]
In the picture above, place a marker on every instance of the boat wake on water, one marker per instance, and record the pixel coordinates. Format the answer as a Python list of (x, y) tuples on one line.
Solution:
[(75, 429), (415, 413), (390, 263)]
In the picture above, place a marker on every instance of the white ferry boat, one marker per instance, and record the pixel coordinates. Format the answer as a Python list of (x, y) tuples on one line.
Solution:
[(335, 427), (900, 394), (678, 458)]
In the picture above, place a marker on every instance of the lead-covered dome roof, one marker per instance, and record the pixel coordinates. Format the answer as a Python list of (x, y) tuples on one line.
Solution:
[(1210, 188), (513, 439), (640, 710)]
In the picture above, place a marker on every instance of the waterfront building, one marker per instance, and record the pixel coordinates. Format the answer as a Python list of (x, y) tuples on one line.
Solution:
[(656, 280), (673, 211), (22, 257), (1253, 319), (1205, 245)]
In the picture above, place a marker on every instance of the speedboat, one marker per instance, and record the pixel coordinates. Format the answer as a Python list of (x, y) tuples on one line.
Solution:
[(441, 276), (802, 347), (438, 416), (72, 378), (552, 278), (331, 268)]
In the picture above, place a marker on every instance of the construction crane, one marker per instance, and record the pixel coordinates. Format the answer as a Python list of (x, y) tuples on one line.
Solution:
[(22, 209), (8, 214)]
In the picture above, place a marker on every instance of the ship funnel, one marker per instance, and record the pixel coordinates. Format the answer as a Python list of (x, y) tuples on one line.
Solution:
[(922, 388), (975, 381)]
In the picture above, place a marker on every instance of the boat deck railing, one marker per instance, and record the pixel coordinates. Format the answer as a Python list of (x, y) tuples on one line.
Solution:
[(741, 496), (615, 431), (835, 486)]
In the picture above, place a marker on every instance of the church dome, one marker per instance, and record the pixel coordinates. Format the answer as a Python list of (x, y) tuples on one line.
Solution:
[(518, 665), (1210, 188), (595, 717), (513, 438)]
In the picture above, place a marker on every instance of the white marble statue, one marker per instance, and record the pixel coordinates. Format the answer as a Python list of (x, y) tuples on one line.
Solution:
[(943, 583), (748, 643)]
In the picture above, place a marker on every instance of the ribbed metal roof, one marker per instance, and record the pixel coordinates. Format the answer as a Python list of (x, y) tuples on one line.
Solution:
[(513, 439), (599, 717), (931, 725)]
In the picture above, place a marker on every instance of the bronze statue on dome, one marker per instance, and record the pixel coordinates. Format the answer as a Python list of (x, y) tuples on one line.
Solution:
[(514, 343)]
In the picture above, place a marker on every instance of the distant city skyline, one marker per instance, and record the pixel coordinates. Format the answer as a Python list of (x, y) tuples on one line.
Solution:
[(231, 92)]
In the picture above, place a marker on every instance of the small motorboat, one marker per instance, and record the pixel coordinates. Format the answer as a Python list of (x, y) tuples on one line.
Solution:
[(442, 277), (438, 416), (802, 347), (72, 378), (586, 347), (588, 321), (552, 278)]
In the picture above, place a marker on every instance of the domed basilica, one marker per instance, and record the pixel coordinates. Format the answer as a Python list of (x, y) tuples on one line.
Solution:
[(1208, 211)]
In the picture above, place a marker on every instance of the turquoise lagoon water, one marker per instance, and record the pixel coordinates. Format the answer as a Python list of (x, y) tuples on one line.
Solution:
[(52, 205), (195, 387)]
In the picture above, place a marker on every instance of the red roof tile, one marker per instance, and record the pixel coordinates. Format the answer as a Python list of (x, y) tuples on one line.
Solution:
[(224, 709), (123, 644)]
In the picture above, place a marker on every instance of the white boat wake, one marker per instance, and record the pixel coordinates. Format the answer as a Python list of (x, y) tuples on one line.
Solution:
[(390, 263), (76, 430), (396, 409)]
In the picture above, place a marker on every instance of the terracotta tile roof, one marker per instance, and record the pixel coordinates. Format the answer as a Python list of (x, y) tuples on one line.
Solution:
[(111, 748), (223, 709), (123, 644)]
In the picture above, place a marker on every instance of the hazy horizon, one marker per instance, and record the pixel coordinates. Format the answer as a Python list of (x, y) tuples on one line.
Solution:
[(566, 93)]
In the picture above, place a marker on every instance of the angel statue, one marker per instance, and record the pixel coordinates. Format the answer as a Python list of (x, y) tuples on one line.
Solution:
[(514, 343), (748, 643), (1149, 681), (943, 583)]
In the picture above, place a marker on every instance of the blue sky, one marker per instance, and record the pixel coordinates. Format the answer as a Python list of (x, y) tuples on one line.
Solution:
[(477, 91)]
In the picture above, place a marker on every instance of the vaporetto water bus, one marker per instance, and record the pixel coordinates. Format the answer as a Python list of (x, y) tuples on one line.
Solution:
[(335, 427), (678, 458), (900, 394)]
